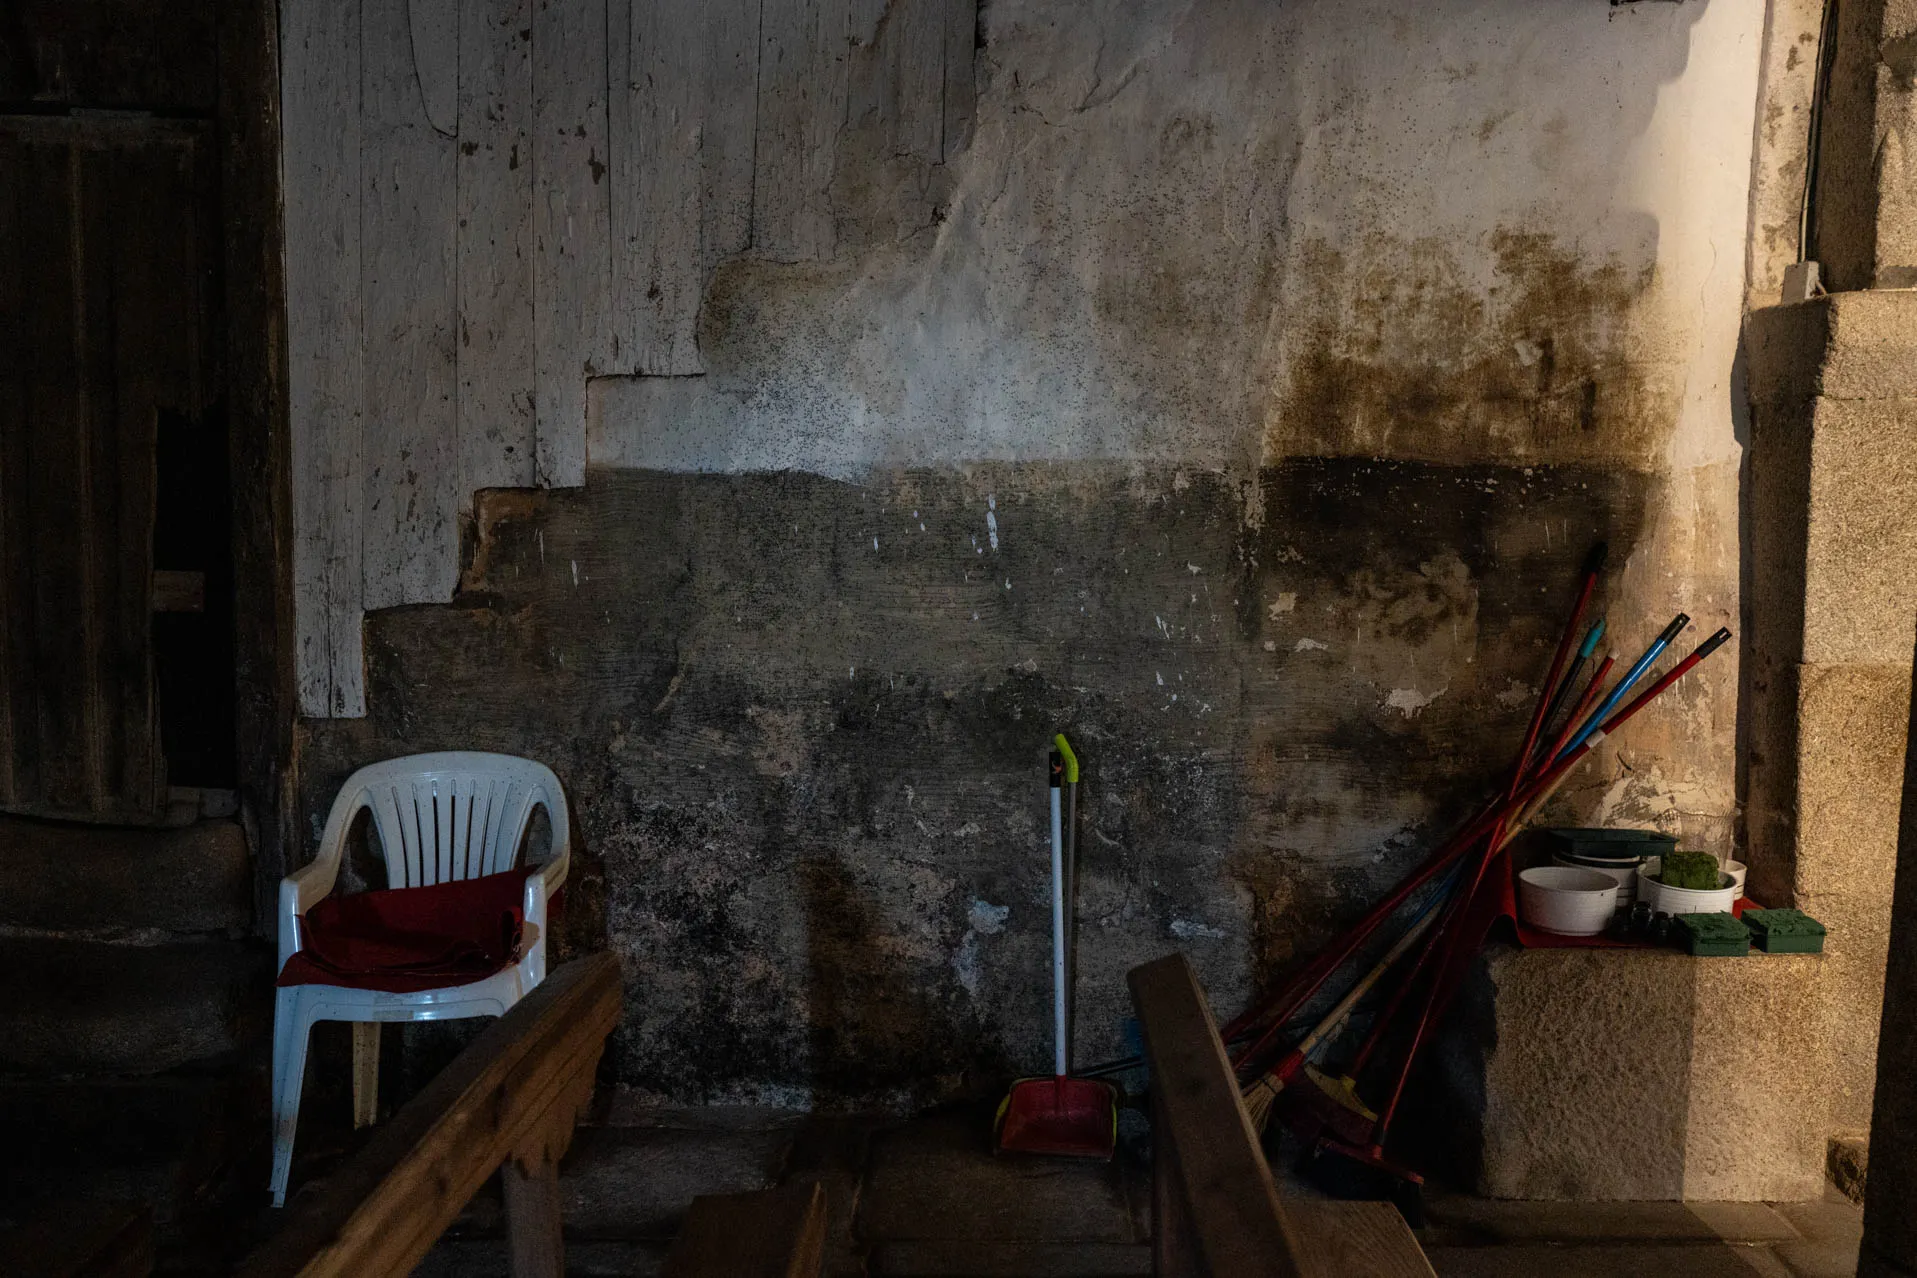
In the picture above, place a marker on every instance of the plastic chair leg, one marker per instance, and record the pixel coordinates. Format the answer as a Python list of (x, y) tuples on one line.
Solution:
[(291, 1029)]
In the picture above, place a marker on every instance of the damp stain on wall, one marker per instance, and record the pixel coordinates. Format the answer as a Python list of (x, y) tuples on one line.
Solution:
[(798, 764)]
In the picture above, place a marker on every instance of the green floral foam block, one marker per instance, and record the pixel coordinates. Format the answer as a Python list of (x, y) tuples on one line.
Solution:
[(1785, 931), (1696, 870), (1713, 935)]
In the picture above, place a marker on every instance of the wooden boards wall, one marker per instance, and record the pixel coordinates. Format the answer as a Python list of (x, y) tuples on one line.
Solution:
[(107, 259), (489, 202)]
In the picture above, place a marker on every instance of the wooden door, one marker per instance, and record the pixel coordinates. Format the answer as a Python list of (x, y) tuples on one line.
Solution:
[(106, 258)]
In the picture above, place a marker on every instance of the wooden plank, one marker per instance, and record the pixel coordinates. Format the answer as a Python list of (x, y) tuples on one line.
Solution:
[(56, 504), (657, 116), (533, 1237), (409, 429), (961, 92), (1239, 1225), (497, 430), (802, 105), (109, 54), (514, 1093), (1174, 1245), (97, 173), (149, 256), (19, 765), (896, 81), (572, 269), (1359, 1239), (178, 590), (320, 124), (772, 1233), (437, 43), (365, 1074), (105, 296), (254, 332), (727, 142)]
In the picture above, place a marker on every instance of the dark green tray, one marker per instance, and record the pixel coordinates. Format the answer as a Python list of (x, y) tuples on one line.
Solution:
[(1597, 842)]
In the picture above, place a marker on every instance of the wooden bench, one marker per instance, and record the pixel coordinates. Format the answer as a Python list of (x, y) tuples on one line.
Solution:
[(1215, 1209), (508, 1103)]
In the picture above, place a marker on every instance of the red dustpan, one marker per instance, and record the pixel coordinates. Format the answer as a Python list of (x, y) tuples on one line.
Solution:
[(1075, 1117)]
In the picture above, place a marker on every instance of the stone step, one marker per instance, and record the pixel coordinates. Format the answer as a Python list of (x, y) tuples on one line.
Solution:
[(171, 1142), (60, 876), (92, 1008)]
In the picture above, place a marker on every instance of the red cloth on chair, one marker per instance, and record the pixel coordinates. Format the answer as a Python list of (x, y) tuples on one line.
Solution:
[(403, 940)]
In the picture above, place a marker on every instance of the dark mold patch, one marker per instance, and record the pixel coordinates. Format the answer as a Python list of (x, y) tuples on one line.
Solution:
[(806, 770), (1395, 350)]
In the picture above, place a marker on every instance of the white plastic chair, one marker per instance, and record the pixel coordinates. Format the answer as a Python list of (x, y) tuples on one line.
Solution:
[(440, 818)]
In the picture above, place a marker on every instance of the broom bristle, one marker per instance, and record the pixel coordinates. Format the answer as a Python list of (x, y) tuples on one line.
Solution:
[(1258, 1098)]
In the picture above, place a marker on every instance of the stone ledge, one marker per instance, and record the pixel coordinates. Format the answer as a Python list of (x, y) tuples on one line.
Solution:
[(1599, 1075), (1834, 483), (80, 1007), (57, 876), (1855, 345)]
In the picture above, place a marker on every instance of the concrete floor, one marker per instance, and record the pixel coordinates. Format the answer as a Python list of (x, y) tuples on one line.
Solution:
[(927, 1198)]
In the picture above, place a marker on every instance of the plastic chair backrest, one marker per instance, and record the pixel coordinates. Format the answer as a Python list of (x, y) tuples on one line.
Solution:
[(456, 815)]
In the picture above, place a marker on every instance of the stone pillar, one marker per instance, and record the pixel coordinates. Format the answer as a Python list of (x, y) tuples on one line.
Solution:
[(1831, 590), (1890, 1227), (1864, 206)]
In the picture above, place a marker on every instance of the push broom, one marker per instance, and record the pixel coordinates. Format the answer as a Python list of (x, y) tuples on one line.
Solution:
[(1073, 1117)]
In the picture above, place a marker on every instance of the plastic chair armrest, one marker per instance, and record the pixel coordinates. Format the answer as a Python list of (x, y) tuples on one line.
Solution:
[(313, 882), (299, 891), (543, 884)]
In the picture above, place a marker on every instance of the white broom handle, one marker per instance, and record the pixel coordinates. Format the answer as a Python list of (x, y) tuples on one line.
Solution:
[(1059, 1046)]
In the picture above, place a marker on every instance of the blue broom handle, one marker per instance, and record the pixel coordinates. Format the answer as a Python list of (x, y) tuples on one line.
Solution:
[(1631, 676)]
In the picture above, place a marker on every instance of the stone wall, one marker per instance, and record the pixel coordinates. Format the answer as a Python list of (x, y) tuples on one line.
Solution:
[(1833, 489), (1240, 397)]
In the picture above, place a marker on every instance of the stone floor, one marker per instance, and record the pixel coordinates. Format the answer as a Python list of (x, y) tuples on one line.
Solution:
[(927, 1198)]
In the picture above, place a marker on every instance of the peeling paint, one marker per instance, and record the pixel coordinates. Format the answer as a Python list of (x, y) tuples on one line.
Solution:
[(1411, 701)]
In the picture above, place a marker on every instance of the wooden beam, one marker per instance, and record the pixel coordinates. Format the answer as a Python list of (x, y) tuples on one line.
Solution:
[(514, 1094), (1359, 1239), (365, 1074), (258, 453), (1237, 1226), (532, 1219), (774, 1233)]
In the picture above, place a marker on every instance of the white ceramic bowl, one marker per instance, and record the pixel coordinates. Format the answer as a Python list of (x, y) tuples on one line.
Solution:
[(1569, 900), (1736, 870), (1625, 876), (1666, 899)]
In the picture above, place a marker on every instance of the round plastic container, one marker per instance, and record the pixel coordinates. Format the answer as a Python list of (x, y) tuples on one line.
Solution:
[(1675, 900), (1736, 870), (1569, 900), (1624, 875)]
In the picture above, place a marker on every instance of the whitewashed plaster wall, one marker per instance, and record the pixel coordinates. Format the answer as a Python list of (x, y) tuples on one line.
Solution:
[(489, 203), (1213, 234)]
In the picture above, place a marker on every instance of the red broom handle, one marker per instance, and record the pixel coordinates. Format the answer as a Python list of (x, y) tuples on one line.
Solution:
[(1591, 693), (1567, 643)]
